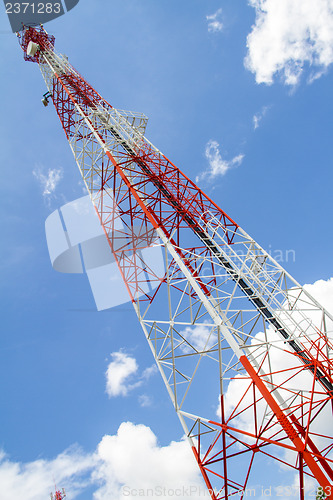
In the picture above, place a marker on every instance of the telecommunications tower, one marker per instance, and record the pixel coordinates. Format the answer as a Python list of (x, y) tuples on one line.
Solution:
[(224, 319), (58, 495)]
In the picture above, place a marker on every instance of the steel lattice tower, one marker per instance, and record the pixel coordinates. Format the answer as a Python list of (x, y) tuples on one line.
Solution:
[(225, 315), (58, 495)]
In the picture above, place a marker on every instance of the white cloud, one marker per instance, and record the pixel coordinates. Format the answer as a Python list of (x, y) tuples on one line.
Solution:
[(322, 291), (145, 400), (215, 21), (217, 165), (125, 462), (149, 372), (287, 36), (259, 116), (82, 186), (34, 480), (132, 461), (48, 181), (120, 374), (201, 337)]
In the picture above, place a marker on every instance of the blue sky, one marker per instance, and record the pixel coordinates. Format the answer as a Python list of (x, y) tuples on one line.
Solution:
[(240, 100)]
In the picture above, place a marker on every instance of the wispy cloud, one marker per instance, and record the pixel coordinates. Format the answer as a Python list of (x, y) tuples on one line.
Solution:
[(149, 372), (287, 36), (33, 480), (119, 374), (217, 166), (130, 459), (259, 116), (122, 374), (145, 400), (83, 187), (48, 181), (200, 337), (215, 21)]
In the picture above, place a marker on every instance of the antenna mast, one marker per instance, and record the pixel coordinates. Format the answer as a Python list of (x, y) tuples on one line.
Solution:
[(225, 318), (58, 495)]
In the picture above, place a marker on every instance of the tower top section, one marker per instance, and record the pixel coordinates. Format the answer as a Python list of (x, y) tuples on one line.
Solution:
[(58, 495), (35, 40)]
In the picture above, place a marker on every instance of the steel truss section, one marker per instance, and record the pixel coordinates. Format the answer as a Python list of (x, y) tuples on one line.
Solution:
[(225, 321)]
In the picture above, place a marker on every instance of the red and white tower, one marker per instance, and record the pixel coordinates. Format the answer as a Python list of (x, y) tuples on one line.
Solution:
[(224, 319), (58, 495)]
